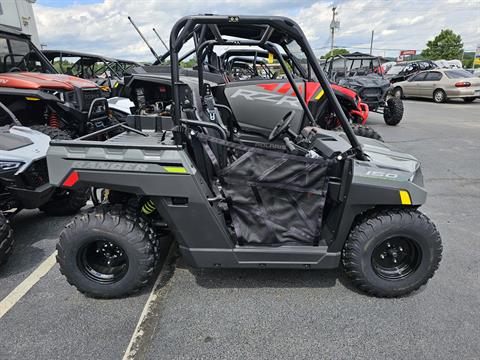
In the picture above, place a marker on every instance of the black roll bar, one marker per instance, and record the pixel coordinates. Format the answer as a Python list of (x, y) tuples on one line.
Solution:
[(183, 28)]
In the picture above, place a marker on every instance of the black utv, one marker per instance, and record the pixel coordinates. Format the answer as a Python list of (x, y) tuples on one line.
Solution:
[(364, 74), (303, 198), (401, 71)]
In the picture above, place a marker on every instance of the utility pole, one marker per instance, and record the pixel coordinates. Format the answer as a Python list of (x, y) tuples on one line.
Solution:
[(334, 25), (371, 42)]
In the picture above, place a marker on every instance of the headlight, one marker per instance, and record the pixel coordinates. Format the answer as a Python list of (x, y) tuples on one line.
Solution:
[(58, 94), (9, 165)]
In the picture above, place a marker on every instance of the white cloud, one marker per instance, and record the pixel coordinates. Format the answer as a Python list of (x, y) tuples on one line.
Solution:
[(104, 27)]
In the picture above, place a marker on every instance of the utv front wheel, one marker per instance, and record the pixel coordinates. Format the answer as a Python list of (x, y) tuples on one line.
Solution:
[(107, 254), (392, 253), (6, 239), (393, 111), (365, 131)]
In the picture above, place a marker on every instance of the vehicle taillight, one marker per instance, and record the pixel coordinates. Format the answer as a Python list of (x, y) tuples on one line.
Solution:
[(463, 84)]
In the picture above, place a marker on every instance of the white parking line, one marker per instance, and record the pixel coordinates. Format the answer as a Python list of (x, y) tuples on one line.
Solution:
[(11, 299), (157, 291)]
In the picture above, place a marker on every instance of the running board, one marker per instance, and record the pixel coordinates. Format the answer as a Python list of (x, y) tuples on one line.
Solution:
[(300, 257)]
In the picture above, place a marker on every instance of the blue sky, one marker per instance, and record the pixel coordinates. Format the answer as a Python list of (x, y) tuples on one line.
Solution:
[(101, 26)]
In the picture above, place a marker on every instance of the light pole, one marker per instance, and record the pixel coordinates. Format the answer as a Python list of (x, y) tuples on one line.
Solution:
[(371, 42), (334, 25)]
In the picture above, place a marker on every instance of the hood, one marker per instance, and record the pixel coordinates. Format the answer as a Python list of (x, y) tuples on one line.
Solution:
[(387, 163), (382, 160), (35, 81), (26, 145), (367, 81)]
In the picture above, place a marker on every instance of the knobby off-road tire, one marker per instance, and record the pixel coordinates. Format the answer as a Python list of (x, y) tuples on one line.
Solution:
[(365, 131), (6, 239), (404, 235), (92, 239), (53, 133), (393, 111), (63, 202)]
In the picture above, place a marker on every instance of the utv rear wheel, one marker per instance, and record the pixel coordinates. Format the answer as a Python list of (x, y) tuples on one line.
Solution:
[(365, 131), (392, 253), (6, 239), (393, 111), (107, 254), (439, 96)]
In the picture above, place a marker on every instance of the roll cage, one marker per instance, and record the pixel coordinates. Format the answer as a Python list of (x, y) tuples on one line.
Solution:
[(87, 66), (352, 65), (268, 33), (28, 59)]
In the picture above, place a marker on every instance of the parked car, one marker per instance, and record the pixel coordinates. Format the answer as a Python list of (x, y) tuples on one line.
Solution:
[(440, 84), (475, 72), (403, 70)]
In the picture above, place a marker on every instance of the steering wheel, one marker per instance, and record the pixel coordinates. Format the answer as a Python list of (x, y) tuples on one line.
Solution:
[(281, 126), (12, 57)]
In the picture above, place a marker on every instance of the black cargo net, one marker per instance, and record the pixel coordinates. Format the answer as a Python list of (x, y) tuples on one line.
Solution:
[(274, 198)]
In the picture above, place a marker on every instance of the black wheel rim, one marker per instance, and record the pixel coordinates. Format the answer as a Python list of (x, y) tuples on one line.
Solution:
[(396, 258), (103, 261)]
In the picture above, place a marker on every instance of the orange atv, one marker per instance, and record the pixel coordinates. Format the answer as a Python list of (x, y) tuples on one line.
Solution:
[(33, 90)]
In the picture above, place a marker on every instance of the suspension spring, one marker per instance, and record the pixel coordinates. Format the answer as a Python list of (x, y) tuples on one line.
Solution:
[(149, 207), (53, 120)]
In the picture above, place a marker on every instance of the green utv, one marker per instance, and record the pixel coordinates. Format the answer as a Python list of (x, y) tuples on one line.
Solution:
[(312, 199)]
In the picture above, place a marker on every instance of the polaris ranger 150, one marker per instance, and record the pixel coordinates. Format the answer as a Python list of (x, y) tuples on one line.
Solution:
[(305, 198)]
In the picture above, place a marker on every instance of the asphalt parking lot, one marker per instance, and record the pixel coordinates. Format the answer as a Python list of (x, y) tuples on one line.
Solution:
[(272, 313)]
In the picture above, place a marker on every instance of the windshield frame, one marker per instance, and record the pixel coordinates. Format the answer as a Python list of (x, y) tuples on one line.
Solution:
[(41, 57)]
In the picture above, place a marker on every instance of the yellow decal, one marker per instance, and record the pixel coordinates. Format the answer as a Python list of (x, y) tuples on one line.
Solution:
[(270, 58), (175, 169), (32, 98), (405, 197), (320, 94), (116, 85)]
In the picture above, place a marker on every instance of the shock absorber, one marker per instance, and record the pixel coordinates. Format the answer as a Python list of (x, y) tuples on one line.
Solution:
[(148, 207), (53, 120)]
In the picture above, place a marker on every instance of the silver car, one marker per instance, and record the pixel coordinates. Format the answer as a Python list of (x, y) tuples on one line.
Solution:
[(440, 85)]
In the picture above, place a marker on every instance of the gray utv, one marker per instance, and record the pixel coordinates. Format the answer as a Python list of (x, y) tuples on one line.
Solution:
[(301, 199)]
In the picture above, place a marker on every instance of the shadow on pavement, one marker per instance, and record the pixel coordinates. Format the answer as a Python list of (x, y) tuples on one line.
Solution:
[(30, 229)]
